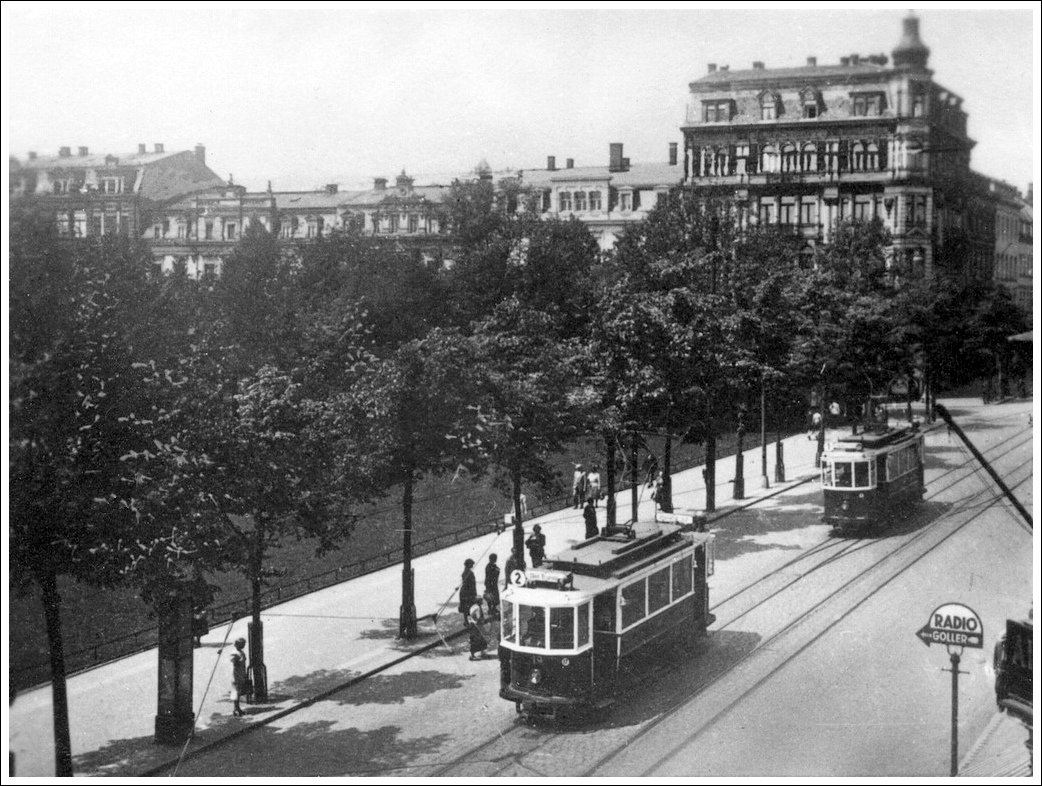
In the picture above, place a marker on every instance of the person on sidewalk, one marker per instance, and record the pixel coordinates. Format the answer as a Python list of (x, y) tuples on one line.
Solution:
[(590, 519), (513, 563), (815, 425), (492, 586), (240, 686), (656, 490), (593, 485), (468, 589), (578, 486), (475, 624), (536, 546)]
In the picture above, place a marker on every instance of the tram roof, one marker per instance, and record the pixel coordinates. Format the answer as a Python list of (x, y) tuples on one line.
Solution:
[(618, 555), (871, 440)]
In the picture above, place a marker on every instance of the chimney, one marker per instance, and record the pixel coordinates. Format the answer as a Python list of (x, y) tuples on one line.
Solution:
[(625, 164), (855, 59), (551, 163), (200, 154), (844, 61), (712, 67), (159, 147), (569, 163), (32, 155), (615, 157), (812, 61), (141, 149), (380, 184), (331, 188), (82, 151), (725, 68), (672, 153), (758, 65), (64, 152)]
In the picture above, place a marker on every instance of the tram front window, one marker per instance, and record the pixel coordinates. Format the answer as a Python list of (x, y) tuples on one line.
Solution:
[(509, 624), (861, 474), (562, 629), (842, 477), (534, 621)]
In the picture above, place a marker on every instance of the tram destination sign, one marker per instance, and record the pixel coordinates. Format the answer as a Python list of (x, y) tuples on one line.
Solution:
[(953, 624)]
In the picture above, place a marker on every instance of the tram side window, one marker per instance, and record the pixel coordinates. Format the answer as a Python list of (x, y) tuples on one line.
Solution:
[(900, 462), (658, 590), (633, 603), (604, 612), (583, 624), (533, 621), (509, 628), (562, 628), (681, 578), (862, 477)]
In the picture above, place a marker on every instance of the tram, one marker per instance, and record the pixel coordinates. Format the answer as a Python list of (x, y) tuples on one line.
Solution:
[(579, 629), (872, 478)]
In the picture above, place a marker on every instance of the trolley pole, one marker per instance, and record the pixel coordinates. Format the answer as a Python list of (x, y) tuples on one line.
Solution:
[(739, 460), (765, 483)]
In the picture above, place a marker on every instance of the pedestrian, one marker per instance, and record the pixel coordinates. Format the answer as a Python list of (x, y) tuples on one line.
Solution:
[(578, 486), (468, 589), (593, 485), (240, 682), (492, 586), (656, 491), (536, 546), (834, 411), (590, 518), (474, 623), (815, 424), (513, 563), (650, 469)]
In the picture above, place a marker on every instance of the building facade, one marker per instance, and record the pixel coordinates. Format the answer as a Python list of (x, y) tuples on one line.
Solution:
[(1014, 237), (605, 198), (92, 195), (872, 137)]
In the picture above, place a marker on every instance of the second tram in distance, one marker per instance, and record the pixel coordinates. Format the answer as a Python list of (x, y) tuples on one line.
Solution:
[(585, 625), (872, 478)]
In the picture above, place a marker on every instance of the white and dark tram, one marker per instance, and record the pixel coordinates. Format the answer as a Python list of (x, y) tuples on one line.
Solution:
[(873, 477), (579, 630)]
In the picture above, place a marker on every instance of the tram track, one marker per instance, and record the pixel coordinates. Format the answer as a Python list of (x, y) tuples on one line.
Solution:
[(496, 751), (950, 478)]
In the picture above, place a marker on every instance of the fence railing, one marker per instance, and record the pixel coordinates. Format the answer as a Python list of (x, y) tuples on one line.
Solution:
[(147, 638)]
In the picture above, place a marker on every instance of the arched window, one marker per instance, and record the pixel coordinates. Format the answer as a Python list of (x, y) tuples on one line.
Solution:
[(789, 158), (857, 157), (769, 159), (580, 201), (872, 156), (720, 161), (809, 158)]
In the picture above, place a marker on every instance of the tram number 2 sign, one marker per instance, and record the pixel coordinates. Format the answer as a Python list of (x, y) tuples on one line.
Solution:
[(953, 624)]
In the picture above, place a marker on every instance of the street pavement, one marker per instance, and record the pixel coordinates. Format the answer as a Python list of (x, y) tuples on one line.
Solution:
[(318, 644)]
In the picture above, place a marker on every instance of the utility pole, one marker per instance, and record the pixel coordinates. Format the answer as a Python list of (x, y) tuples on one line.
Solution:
[(765, 483), (739, 459)]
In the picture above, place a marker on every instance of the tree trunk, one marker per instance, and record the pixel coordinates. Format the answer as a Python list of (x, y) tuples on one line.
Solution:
[(59, 696), (666, 494), (407, 613), (710, 470), (609, 470), (519, 528)]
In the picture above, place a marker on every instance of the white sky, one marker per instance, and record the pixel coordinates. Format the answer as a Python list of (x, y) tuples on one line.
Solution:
[(307, 94)]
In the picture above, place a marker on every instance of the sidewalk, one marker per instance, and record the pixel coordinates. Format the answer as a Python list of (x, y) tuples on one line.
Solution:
[(319, 643)]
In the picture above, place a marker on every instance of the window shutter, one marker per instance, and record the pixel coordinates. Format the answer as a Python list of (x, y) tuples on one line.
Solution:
[(752, 162), (844, 163), (883, 144)]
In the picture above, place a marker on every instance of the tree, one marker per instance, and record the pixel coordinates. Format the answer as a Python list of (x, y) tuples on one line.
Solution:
[(416, 411), (530, 400), (79, 323)]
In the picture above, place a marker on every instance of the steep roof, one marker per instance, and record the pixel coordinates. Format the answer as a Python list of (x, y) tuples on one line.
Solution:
[(808, 72), (636, 176)]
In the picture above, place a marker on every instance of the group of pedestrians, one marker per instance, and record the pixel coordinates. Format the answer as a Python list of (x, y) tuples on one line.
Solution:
[(586, 486)]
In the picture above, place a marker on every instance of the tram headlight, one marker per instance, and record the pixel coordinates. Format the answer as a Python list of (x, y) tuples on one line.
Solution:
[(537, 677), (565, 661), (846, 505)]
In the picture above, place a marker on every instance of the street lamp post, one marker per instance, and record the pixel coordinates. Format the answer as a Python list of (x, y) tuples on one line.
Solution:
[(739, 474), (765, 483)]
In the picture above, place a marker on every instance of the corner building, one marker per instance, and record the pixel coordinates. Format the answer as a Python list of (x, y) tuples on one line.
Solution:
[(872, 137)]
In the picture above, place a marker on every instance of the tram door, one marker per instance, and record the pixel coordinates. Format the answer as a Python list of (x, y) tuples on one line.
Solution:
[(605, 643)]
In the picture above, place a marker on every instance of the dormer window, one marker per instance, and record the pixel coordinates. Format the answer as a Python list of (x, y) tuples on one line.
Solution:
[(867, 104), (718, 110), (112, 185), (810, 102), (770, 106)]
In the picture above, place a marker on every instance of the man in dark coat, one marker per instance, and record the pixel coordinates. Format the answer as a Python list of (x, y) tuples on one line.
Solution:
[(468, 590), (492, 586), (590, 517), (513, 563), (536, 546)]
